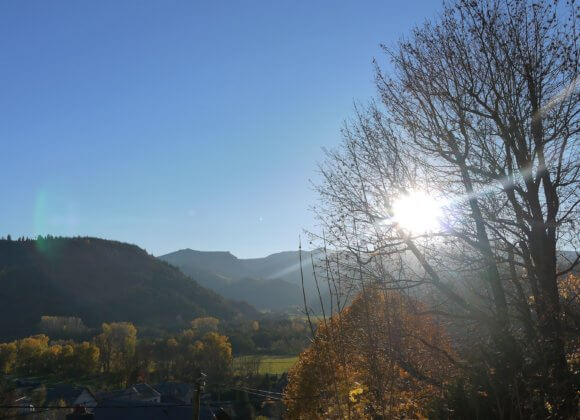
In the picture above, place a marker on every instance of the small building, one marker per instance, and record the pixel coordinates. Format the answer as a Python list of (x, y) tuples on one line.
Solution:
[(70, 396), (175, 392), (139, 392), (24, 405)]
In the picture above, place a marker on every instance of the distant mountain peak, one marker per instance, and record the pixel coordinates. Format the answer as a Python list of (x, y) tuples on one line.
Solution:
[(272, 282), (196, 251), (228, 254)]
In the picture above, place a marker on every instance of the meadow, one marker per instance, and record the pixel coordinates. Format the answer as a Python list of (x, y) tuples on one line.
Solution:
[(264, 364)]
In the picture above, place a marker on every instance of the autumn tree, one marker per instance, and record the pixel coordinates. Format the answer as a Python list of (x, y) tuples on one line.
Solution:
[(201, 347), (214, 355), (204, 325), (8, 354), (85, 358), (30, 354), (478, 115), (62, 325), (569, 288), (117, 346), (166, 353), (379, 357)]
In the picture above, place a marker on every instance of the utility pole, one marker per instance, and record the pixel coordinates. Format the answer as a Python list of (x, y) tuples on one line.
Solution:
[(198, 387)]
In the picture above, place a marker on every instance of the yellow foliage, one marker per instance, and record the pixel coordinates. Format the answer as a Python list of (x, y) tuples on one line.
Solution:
[(117, 345), (354, 393), (203, 325), (569, 288), (379, 357), (7, 357)]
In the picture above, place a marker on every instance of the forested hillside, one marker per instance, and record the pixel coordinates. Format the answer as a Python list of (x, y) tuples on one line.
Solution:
[(99, 281)]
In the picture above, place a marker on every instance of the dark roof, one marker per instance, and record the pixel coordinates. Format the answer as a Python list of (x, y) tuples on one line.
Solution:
[(170, 399), (177, 390), (146, 390), (138, 392), (23, 401), (65, 392), (136, 410), (26, 382)]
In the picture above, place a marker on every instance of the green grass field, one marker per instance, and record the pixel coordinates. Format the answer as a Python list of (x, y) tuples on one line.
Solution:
[(267, 364)]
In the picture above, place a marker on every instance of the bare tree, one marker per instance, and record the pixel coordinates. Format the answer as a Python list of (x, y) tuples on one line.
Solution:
[(480, 112)]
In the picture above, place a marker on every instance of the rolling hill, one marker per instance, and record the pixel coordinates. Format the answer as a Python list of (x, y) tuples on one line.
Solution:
[(271, 283), (99, 281)]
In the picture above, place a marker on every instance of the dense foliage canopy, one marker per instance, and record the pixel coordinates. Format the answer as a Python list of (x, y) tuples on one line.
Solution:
[(379, 357)]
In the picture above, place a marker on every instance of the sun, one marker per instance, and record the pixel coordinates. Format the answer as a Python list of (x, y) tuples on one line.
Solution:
[(417, 213)]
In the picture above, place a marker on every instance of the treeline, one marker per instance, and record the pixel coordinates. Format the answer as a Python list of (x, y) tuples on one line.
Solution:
[(26, 238), (119, 357), (268, 336), (62, 325), (37, 356)]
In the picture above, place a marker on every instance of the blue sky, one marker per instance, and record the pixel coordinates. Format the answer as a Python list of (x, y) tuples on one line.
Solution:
[(174, 124)]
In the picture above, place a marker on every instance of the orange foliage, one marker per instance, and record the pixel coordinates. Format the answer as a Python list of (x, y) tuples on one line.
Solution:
[(378, 357), (569, 289)]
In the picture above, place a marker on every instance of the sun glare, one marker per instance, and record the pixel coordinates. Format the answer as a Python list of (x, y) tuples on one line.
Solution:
[(417, 213)]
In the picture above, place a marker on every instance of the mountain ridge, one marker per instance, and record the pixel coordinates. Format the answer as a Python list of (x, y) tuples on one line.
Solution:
[(271, 283)]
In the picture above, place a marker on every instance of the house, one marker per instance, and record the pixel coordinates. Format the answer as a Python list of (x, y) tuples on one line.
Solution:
[(138, 392), (55, 395), (33, 398), (169, 400), (69, 395), (175, 392), (24, 405)]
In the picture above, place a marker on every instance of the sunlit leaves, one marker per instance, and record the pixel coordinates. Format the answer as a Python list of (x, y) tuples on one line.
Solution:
[(380, 356)]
